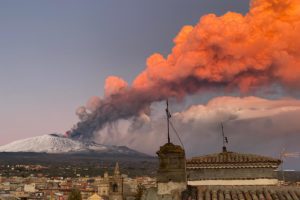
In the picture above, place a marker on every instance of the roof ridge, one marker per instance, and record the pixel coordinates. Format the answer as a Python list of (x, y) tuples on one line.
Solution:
[(233, 157)]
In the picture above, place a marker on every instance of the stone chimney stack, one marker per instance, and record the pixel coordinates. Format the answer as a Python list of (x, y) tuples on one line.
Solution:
[(171, 175)]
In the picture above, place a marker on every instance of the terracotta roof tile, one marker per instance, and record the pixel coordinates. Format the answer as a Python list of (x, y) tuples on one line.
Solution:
[(248, 193), (231, 160)]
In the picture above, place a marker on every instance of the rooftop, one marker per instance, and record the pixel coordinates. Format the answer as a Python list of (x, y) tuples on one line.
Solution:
[(227, 159), (249, 193)]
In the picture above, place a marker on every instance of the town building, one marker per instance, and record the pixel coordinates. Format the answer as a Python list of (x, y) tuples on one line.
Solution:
[(171, 175), (112, 186), (231, 168)]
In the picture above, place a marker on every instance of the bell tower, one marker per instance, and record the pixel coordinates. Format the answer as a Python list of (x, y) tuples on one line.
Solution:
[(116, 184), (171, 175)]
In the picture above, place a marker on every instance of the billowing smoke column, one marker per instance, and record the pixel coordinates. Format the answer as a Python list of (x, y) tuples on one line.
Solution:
[(231, 51)]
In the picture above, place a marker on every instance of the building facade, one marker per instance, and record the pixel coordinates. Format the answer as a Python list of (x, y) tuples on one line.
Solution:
[(230, 168), (171, 175), (111, 187)]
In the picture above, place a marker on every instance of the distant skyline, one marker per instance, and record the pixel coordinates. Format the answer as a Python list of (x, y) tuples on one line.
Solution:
[(56, 54)]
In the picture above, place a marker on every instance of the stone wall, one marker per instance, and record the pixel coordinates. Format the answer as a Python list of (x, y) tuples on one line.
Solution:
[(240, 173), (234, 182)]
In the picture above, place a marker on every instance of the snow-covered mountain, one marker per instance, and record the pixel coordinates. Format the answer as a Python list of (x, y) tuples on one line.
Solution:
[(55, 143)]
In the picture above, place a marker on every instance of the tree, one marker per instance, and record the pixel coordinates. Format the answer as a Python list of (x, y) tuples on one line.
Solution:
[(74, 195), (139, 192)]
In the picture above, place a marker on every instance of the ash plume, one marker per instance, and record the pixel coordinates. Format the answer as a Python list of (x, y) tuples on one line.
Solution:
[(231, 51)]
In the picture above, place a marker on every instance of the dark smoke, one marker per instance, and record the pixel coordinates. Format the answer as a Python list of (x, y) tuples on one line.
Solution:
[(133, 102)]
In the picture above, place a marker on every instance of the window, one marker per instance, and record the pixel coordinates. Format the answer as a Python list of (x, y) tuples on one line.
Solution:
[(115, 187)]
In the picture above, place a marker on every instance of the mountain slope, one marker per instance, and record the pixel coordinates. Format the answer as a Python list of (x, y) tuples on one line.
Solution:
[(54, 143)]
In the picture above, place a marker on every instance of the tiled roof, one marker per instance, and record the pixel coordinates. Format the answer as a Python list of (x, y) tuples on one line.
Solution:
[(248, 193), (232, 160)]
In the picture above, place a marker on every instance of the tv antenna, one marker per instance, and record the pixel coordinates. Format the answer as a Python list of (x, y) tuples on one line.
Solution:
[(168, 120), (225, 139), (172, 126)]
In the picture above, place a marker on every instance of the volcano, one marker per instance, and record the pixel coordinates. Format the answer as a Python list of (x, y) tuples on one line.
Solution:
[(56, 144)]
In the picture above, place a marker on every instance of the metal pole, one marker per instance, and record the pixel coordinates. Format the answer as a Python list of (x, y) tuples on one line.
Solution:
[(168, 118), (223, 136)]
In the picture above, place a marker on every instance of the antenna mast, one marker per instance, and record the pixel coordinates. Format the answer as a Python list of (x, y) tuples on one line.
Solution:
[(225, 139), (168, 120)]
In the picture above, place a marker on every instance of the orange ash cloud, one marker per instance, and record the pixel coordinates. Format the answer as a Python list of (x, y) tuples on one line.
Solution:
[(231, 51), (114, 85), (260, 47)]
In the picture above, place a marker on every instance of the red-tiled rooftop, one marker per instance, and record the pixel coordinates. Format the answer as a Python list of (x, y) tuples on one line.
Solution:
[(232, 160), (248, 193)]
